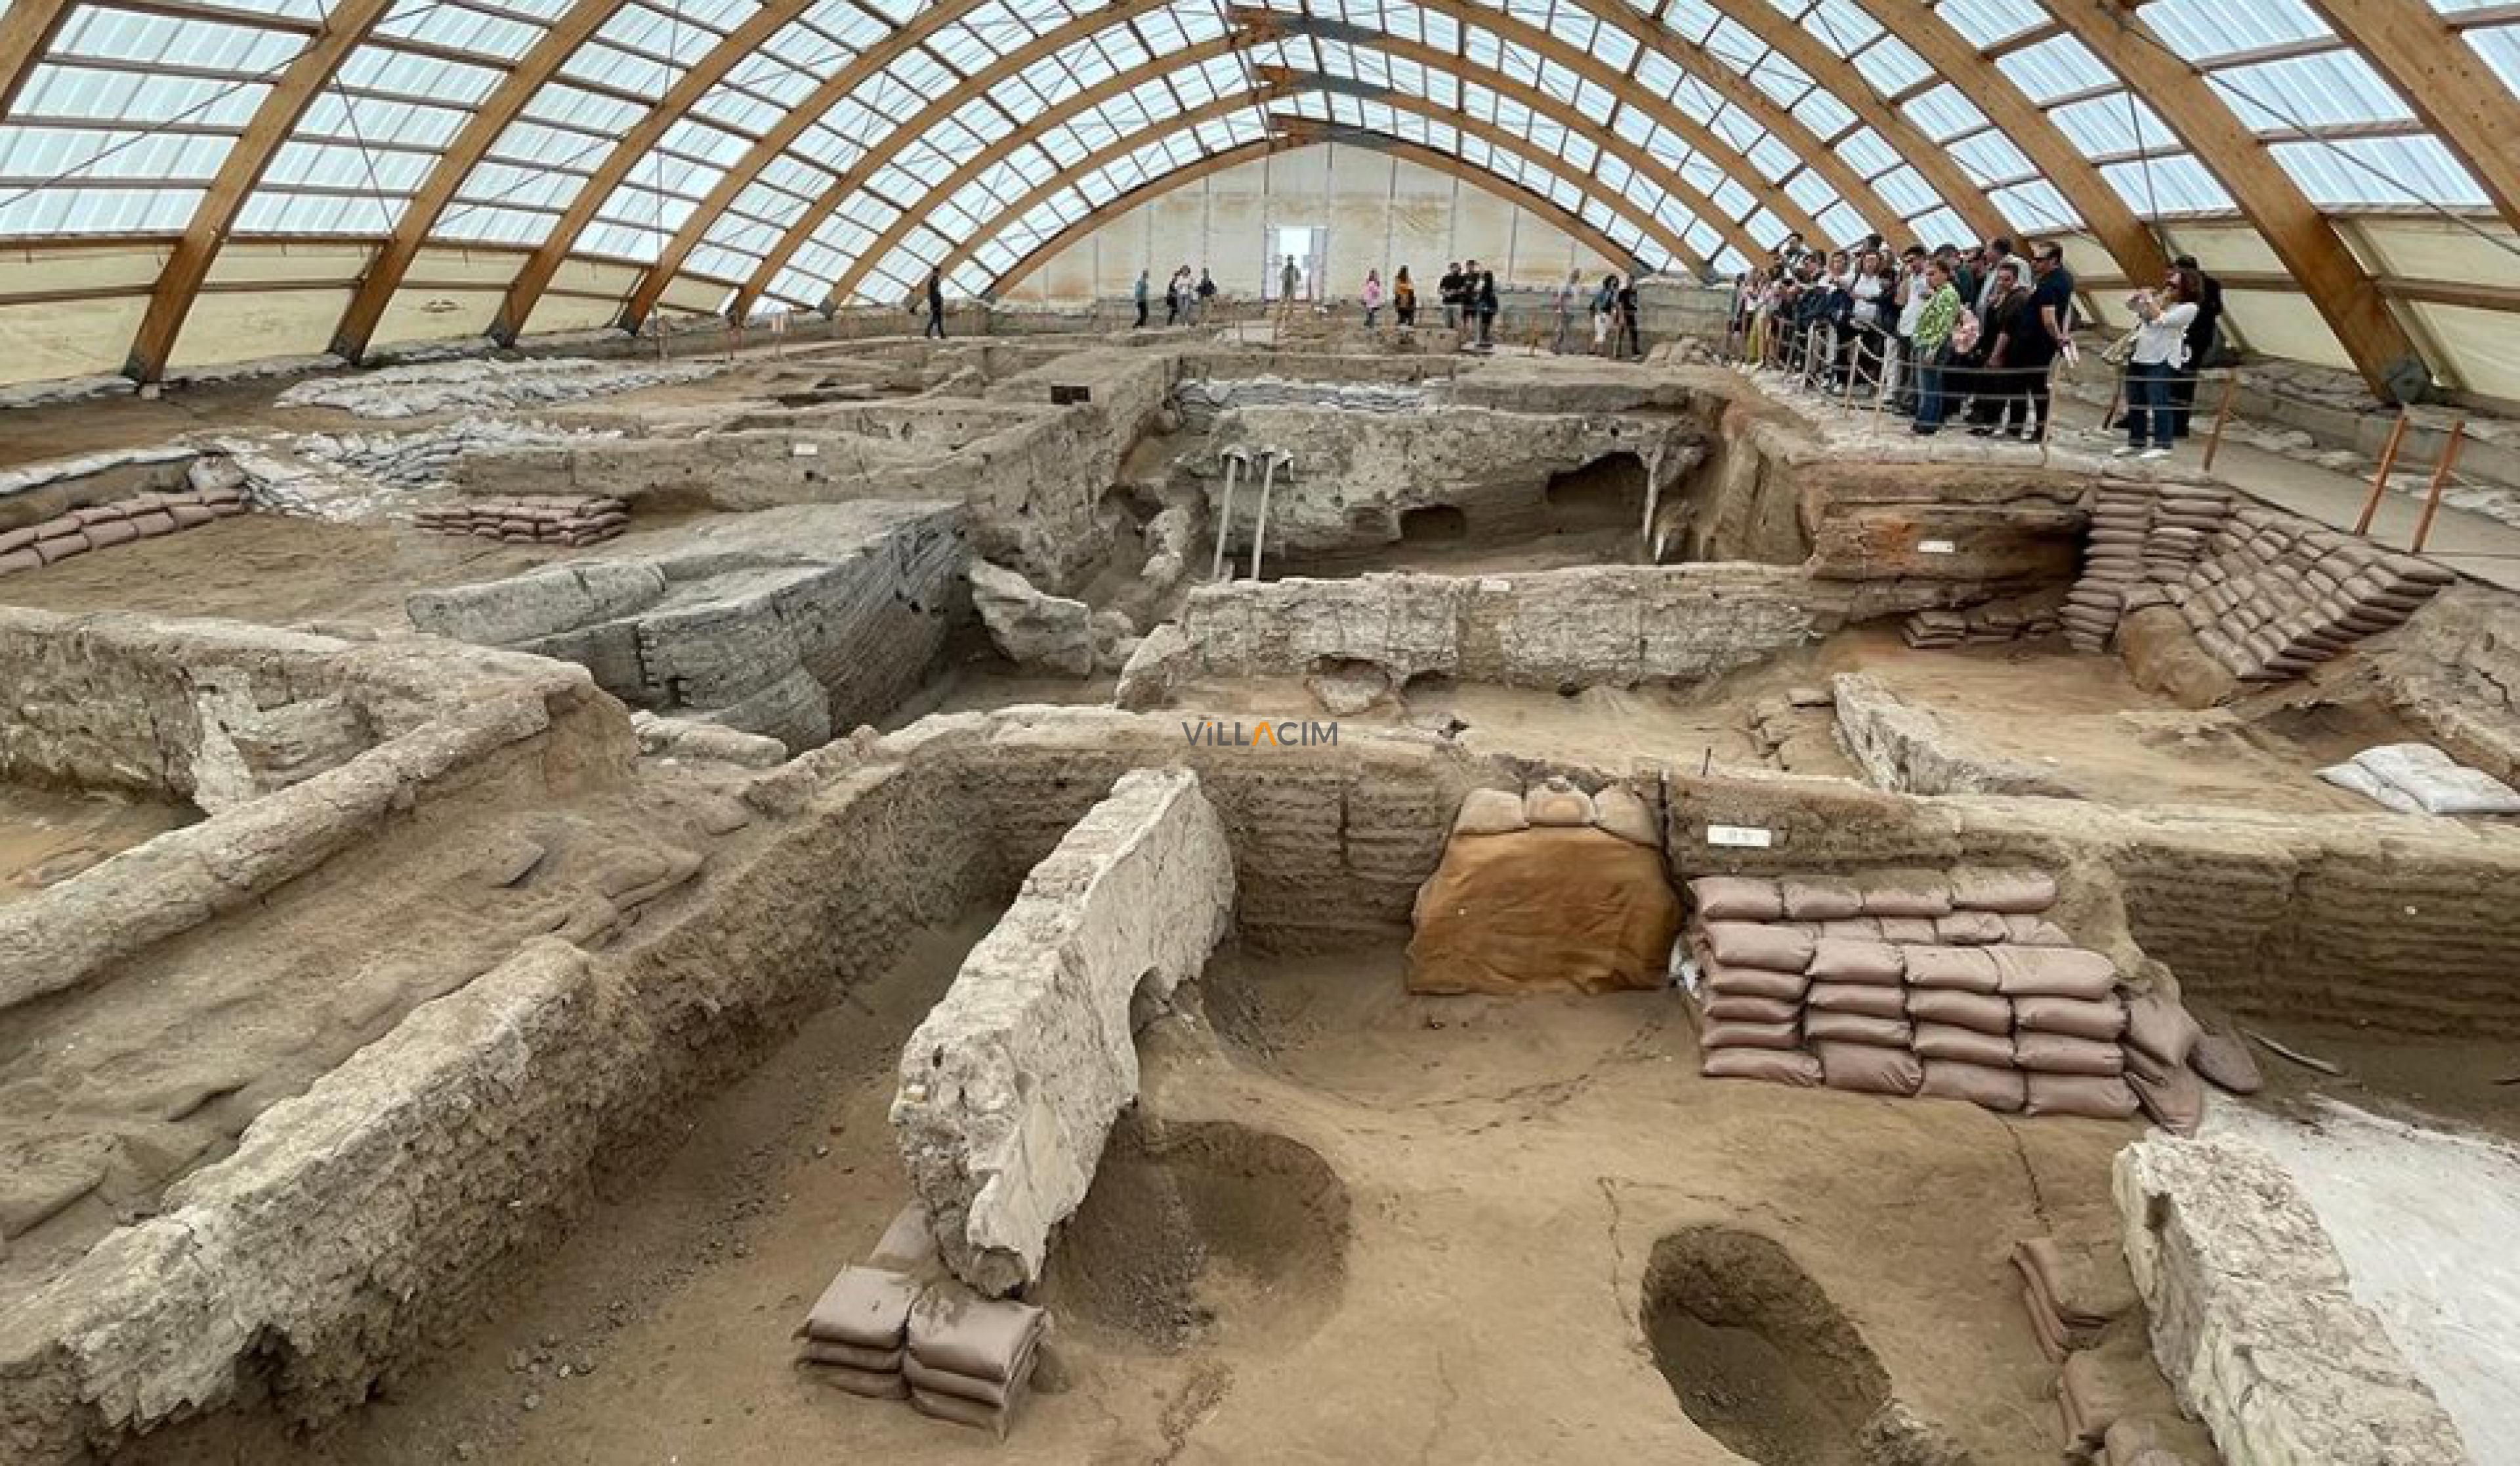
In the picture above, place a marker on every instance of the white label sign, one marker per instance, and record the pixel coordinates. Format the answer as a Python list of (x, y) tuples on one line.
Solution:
[(1744, 837), (1937, 547), (807, 449)]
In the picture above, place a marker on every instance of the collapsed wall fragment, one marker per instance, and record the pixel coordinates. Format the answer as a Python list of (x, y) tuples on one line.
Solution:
[(1010, 1087)]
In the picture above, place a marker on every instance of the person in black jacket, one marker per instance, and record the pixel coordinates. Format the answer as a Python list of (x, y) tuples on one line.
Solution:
[(1483, 304), (1447, 290), (1628, 313), (2204, 339), (935, 305)]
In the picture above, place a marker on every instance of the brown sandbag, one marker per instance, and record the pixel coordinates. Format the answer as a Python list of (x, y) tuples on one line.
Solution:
[(1910, 896), (995, 1419), (2158, 1025), (2051, 1339), (153, 524), (2054, 972), (868, 1384), (1735, 897), (868, 1306), (2083, 1287), (1809, 899), (1746, 944), (1857, 1028), (1745, 1009), (2170, 1440), (1910, 931), (2004, 892), (2062, 1053), (2075, 1017), (1556, 910), (19, 559), (1748, 982), (2225, 1060), (2176, 1103), (58, 548), (1868, 999), (14, 539), (1967, 969), (1777, 1066), (1852, 929), (2035, 931), (2107, 1383), (953, 1328), (1953, 1044), (1869, 1070), (853, 1356), (1844, 960), (2085, 1095), (908, 1244), (965, 1387), (1981, 1084), (1736, 1034), (1969, 929)]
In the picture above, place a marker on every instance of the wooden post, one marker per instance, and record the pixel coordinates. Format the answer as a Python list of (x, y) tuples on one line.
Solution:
[(2441, 480), (2222, 418), (2380, 480), (2117, 399)]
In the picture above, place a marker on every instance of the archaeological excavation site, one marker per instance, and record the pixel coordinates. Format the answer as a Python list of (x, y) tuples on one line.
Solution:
[(739, 732)]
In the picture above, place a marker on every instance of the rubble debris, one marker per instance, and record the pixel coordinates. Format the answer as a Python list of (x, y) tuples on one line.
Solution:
[(433, 387)]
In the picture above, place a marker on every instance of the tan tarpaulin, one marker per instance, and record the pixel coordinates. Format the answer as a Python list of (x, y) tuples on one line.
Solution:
[(1544, 910)]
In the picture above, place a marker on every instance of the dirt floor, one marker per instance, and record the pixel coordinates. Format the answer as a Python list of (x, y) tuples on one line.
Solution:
[(49, 835), (1347, 1224)]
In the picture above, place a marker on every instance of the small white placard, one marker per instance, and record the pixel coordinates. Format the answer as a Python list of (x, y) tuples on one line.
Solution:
[(1745, 836), (1937, 547), (806, 450), (1490, 584)]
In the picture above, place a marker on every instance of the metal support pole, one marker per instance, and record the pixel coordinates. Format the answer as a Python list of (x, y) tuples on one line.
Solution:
[(2380, 480), (1270, 459), (1234, 460), (2222, 418), (2441, 480)]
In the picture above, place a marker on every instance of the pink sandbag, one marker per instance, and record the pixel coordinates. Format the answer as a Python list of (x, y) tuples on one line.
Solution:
[(1844, 960), (2052, 972), (1749, 982), (153, 523), (1869, 999), (2161, 1027), (14, 539), (2226, 1062), (1964, 1046), (1724, 1032), (1910, 931), (1985, 1012), (2074, 1017), (1852, 928), (1970, 929), (1857, 1028), (1971, 969), (1775, 1066), (1814, 899), (100, 514), (2007, 892), (2083, 1094), (1925, 897), (1748, 944), (2058, 1053), (107, 533), (1735, 897), (1982, 1084), (2035, 931), (1742, 1007), (188, 516), (19, 559), (59, 548), (1869, 1070), (2176, 1103)]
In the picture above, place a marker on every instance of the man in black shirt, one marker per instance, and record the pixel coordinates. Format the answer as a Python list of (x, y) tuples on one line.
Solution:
[(2045, 325)]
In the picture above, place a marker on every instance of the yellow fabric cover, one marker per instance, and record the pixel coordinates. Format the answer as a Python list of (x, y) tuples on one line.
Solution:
[(1544, 910)]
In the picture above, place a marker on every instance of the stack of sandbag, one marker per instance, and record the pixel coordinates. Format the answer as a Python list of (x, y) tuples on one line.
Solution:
[(2277, 595), (1955, 987), (1934, 630), (972, 1357), (2084, 1311), (857, 1335), (1986, 624), (2161, 1039), (532, 520), (2418, 778), (2143, 537), (102, 527), (2071, 1294)]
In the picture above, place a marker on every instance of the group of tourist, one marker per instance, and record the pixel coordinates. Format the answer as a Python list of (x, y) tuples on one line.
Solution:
[(1185, 300), (1972, 335)]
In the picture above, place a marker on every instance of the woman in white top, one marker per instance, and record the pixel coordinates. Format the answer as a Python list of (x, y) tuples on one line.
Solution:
[(1372, 296), (2160, 354)]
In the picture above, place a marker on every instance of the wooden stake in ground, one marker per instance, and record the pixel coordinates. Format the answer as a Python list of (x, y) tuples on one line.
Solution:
[(2380, 480)]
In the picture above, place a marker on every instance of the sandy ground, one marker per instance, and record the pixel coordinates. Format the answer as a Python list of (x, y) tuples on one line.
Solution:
[(1383, 1228), (2424, 1218), (49, 835)]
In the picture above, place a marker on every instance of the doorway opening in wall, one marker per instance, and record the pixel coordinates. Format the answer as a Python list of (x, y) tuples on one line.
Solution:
[(1307, 246)]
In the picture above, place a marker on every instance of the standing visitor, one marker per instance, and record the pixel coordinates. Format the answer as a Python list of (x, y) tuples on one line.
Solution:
[(1487, 305), (1628, 311), (1934, 327), (1447, 293), (2160, 354), (1567, 295), (2204, 339), (1372, 296), (935, 305), (1199, 298), (1141, 298), (2050, 326), (1404, 299), (1173, 299), (1913, 295), (1289, 278), (2007, 323), (1604, 300)]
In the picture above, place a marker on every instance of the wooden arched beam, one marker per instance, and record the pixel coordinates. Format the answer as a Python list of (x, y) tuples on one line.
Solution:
[(634, 147), (179, 280), (1494, 136), (490, 119), (834, 90), (1924, 30), (1837, 75), (2302, 238), (2445, 84), (26, 31), (1300, 133), (1250, 26)]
